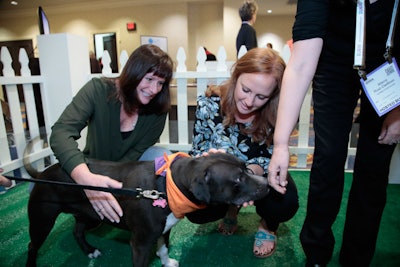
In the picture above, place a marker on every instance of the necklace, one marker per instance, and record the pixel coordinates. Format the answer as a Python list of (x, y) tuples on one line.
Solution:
[(128, 122)]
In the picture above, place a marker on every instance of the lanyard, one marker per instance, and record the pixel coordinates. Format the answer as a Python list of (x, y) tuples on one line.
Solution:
[(390, 40), (359, 50)]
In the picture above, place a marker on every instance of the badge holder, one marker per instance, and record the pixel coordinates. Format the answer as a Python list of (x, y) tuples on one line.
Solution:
[(382, 84)]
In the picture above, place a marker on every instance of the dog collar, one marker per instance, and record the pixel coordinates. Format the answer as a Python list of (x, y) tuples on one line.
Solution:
[(178, 202)]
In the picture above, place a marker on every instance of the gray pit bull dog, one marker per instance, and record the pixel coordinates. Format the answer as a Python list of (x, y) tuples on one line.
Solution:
[(213, 179)]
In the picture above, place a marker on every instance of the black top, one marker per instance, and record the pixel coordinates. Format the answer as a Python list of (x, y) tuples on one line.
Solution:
[(335, 23), (247, 36), (209, 132)]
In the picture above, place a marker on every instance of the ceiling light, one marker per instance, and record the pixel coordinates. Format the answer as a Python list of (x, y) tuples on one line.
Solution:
[(269, 11), (14, 3)]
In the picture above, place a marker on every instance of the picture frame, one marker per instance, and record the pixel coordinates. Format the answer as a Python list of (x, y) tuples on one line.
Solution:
[(160, 41)]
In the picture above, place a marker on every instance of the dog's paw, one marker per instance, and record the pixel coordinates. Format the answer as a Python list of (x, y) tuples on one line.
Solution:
[(94, 254), (171, 263), (165, 260)]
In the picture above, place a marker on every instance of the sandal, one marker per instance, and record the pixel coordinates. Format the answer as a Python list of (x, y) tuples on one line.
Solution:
[(228, 226), (262, 236)]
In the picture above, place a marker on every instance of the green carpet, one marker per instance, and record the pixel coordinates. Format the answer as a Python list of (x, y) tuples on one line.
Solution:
[(193, 245)]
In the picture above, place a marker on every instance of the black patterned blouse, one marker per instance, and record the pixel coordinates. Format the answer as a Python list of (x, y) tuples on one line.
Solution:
[(209, 132)]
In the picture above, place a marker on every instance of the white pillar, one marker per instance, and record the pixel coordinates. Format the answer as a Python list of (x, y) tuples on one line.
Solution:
[(64, 63)]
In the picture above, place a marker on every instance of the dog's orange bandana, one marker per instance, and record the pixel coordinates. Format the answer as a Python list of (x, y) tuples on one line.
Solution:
[(178, 202)]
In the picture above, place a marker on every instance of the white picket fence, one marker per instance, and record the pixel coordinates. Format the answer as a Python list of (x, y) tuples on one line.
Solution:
[(186, 86)]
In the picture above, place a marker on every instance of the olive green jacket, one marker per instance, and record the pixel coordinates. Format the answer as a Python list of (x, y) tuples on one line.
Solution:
[(94, 107)]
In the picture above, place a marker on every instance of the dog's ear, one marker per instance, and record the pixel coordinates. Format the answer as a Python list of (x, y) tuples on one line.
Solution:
[(199, 188)]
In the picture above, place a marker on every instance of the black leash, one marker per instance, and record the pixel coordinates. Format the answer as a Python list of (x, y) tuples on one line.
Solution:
[(138, 192)]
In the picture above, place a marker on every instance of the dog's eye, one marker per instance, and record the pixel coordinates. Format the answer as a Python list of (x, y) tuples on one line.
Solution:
[(249, 171), (240, 179)]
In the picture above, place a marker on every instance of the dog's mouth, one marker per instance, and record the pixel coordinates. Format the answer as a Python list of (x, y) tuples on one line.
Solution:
[(239, 202), (260, 193)]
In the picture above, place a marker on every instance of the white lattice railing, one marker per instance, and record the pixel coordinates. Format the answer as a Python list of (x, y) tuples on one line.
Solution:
[(186, 86)]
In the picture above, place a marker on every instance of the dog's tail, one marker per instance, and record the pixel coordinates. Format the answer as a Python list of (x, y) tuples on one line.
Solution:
[(34, 173)]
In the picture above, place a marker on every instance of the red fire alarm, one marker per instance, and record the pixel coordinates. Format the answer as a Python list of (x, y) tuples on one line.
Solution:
[(131, 26)]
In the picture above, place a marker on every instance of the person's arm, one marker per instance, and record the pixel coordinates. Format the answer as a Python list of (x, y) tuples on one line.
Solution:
[(4, 181), (103, 203), (202, 130), (67, 129), (296, 81), (63, 138)]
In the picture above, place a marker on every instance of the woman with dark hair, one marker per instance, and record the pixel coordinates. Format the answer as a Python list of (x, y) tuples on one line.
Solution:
[(239, 117), (124, 117)]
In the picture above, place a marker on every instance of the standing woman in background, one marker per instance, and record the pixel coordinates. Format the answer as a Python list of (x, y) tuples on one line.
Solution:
[(125, 118), (324, 35), (247, 34)]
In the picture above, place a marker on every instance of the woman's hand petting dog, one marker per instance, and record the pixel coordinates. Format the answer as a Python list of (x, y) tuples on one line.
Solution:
[(213, 150), (105, 204)]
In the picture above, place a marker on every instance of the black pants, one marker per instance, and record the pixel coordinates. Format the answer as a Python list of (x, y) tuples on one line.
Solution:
[(274, 208), (335, 94)]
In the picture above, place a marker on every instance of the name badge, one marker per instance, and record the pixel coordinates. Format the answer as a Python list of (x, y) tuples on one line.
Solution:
[(382, 87)]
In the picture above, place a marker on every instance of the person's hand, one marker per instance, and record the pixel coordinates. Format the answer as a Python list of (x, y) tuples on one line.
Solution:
[(105, 203), (390, 131), (213, 151), (4, 181), (247, 204), (278, 168)]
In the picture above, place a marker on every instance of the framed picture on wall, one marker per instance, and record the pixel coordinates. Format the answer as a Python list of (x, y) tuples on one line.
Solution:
[(159, 41)]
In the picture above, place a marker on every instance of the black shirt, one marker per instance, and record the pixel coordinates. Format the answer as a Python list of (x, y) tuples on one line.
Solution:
[(247, 36)]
